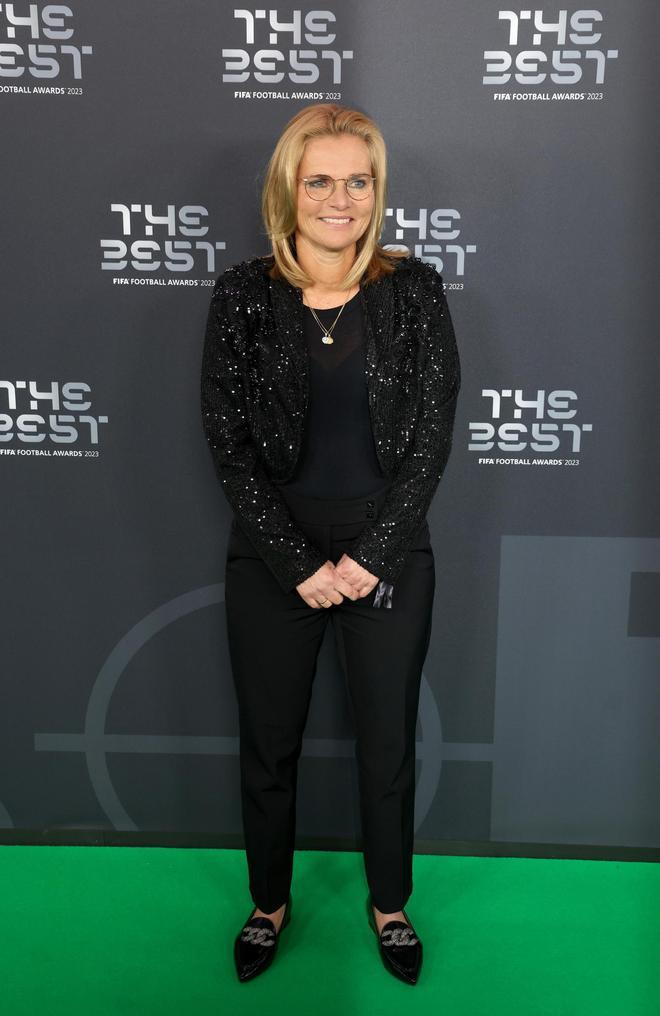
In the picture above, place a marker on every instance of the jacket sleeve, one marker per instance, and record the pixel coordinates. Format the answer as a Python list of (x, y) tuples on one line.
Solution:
[(382, 545), (260, 510)]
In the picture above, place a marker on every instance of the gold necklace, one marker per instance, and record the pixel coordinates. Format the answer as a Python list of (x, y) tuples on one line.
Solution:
[(327, 332)]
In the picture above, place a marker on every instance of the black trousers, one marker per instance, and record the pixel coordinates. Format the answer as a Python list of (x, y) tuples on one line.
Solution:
[(274, 640)]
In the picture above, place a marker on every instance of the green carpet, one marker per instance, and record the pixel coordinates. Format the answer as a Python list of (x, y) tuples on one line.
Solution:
[(111, 931)]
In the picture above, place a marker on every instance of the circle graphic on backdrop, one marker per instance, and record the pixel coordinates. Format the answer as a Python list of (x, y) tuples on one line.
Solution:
[(97, 743)]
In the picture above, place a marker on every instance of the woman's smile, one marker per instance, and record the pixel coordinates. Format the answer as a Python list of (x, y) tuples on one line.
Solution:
[(335, 222)]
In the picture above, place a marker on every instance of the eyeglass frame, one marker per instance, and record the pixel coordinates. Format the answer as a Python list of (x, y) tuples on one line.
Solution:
[(335, 181)]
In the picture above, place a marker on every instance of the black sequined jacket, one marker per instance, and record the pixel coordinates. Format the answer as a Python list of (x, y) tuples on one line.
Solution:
[(254, 394)]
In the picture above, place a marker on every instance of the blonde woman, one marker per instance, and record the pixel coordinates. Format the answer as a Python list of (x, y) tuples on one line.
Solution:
[(329, 385)]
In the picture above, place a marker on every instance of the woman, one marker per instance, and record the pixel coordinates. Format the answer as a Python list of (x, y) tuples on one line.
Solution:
[(330, 377)]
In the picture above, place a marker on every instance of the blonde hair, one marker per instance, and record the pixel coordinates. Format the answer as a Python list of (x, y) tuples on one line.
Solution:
[(279, 202)]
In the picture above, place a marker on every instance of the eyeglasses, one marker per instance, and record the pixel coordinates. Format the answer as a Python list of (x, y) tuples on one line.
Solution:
[(358, 186)]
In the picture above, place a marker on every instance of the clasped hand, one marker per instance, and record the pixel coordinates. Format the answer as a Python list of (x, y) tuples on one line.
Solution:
[(331, 583)]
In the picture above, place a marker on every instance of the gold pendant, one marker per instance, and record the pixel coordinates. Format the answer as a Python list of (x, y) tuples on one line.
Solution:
[(327, 338)]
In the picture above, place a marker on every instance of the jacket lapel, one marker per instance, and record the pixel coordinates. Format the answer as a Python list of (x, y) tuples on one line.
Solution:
[(377, 304), (286, 301)]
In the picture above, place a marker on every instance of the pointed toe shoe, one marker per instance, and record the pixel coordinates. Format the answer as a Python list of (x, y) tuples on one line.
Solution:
[(399, 945), (256, 944)]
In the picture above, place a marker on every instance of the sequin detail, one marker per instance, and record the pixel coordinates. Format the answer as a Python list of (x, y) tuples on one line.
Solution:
[(257, 935), (398, 936), (254, 400)]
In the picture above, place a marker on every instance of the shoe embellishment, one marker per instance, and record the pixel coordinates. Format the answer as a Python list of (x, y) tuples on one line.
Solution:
[(399, 936), (258, 936)]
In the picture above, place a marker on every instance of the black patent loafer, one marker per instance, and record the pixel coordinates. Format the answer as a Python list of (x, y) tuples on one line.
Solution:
[(399, 946), (256, 944)]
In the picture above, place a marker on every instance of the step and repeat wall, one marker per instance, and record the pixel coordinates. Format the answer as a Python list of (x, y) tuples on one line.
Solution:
[(522, 165)]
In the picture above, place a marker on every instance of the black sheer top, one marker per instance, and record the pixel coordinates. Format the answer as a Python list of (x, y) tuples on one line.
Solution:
[(338, 456)]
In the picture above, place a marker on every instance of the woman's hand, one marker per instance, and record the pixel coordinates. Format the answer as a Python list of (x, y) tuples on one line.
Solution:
[(330, 583), (325, 587), (361, 579)]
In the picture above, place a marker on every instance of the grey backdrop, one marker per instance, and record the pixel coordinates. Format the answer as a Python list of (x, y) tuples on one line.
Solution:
[(523, 165)]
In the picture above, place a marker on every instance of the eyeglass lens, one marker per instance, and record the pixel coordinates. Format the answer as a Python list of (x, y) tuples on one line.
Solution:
[(321, 186)]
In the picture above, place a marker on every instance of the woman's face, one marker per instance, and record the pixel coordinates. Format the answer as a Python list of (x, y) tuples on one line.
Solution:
[(336, 157)]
